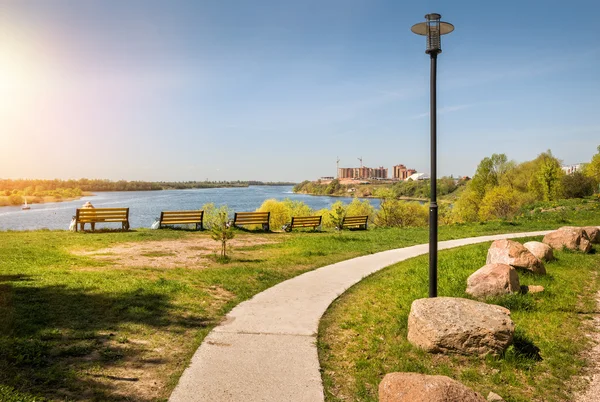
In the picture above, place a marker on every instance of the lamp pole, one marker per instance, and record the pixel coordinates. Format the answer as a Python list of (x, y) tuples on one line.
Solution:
[(433, 29)]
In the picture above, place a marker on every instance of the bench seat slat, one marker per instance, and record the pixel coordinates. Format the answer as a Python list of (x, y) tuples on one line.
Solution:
[(182, 218), (102, 215)]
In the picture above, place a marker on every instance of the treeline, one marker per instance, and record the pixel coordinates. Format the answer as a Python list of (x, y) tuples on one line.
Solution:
[(40, 187), (501, 188), (402, 189)]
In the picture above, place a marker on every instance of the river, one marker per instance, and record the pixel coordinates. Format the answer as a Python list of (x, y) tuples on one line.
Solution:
[(145, 206)]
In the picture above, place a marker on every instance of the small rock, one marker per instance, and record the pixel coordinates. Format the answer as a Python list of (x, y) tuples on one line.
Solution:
[(593, 234), (540, 250), (493, 280), (413, 387), (493, 397), (569, 237), (454, 325), (532, 289), (515, 254)]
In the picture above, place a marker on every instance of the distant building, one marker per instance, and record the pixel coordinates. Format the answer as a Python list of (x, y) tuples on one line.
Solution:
[(402, 173), (418, 176), (363, 173), (570, 169), (326, 178)]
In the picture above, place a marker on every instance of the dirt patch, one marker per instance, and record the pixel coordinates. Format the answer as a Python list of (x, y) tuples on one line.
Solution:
[(592, 393), (188, 253)]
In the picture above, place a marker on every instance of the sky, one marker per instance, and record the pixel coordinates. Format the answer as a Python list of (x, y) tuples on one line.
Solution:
[(278, 90)]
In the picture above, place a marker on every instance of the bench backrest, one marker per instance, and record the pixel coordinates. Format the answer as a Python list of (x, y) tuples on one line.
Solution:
[(355, 220), (167, 217), (85, 215), (306, 220), (251, 218)]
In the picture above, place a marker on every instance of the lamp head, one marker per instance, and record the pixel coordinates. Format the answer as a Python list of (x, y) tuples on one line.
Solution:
[(433, 29)]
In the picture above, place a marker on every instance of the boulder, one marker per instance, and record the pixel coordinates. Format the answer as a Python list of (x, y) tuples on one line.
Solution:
[(593, 234), (493, 280), (493, 397), (532, 289), (569, 237), (454, 325), (540, 250), (413, 387), (513, 253)]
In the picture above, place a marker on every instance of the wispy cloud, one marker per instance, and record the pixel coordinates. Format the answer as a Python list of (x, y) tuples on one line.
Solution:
[(447, 109)]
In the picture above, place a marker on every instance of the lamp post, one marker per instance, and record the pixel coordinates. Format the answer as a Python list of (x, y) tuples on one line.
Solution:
[(433, 29)]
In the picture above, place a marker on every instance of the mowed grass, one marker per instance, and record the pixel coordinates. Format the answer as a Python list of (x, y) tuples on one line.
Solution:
[(363, 334), (75, 327)]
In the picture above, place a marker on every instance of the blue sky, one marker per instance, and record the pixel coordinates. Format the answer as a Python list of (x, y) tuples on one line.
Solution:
[(276, 90)]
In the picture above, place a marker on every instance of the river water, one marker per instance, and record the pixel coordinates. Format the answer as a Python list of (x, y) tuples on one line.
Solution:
[(145, 206)]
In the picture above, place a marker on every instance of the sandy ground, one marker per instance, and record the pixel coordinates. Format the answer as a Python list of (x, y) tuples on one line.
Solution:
[(188, 253), (592, 394)]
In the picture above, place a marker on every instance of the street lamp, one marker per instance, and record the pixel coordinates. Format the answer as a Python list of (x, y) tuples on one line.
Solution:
[(433, 29)]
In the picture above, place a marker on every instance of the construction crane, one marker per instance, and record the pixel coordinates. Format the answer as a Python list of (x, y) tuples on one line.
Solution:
[(337, 165), (360, 159)]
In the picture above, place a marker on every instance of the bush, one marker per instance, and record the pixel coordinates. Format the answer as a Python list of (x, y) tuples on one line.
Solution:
[(500, 203), (577, 185), (396, 213), (282, 211), (15, 199)]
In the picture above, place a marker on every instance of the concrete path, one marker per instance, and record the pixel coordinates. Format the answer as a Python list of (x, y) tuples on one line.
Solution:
[(265, 349)]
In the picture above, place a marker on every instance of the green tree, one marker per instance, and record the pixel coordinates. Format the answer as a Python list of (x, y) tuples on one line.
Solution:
[(546, 181), (221, 231), (577, 185), (592, 169), (499, 203)]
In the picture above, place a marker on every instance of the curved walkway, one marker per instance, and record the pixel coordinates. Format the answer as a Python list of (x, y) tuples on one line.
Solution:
[(265, 349)]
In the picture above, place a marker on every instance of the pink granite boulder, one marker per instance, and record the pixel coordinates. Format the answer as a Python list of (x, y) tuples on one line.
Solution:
[(513, 253), (569, 237), (493, 280), (414, 387)]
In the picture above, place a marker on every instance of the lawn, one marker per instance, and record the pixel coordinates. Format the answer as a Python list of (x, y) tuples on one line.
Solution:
[(363, 334), (117, 315)]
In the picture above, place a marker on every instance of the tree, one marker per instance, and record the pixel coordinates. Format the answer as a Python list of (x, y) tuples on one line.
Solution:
[(577, 185), (546, 181), (489, 172), (466, 208), (222, 231), (499, 203), (592, 169)]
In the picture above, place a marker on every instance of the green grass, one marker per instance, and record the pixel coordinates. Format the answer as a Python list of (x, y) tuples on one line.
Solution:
[(363, 334), (73, 327)]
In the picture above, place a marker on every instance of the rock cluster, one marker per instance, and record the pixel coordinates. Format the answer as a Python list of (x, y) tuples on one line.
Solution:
[(593, 234), (513, 253), (454, 325), (413, 387), (569, 237), (493, 280), (542, 251)]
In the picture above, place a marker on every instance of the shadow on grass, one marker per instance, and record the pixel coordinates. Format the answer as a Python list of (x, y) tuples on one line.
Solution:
[(51, 337), (525, 348)]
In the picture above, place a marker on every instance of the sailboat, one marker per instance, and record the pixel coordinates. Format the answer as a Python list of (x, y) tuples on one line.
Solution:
[(25, 206)]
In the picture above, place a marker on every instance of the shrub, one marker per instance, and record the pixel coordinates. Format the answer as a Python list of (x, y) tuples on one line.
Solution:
[(500, 203), (282, 211), (577, 185), (15, 199), (396, 213)]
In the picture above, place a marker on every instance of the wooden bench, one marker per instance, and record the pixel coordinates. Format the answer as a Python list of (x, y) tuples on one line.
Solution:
[(101, 215), (303, 222), (181, 218), (355, 222), (252, 218)]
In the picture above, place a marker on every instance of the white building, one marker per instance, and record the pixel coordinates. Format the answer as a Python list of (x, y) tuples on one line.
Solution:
[(570, 169), (418, 176)]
